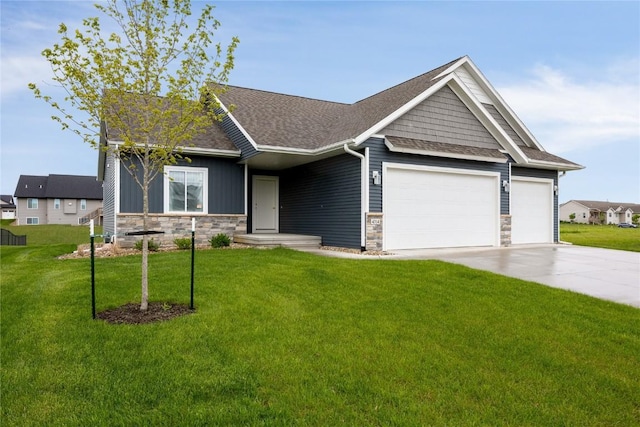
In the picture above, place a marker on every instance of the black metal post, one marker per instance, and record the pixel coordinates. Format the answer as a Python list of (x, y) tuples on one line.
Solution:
[(93, 279), (193, 251)]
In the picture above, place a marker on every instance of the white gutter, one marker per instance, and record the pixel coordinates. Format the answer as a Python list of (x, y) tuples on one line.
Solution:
[(364, 191)]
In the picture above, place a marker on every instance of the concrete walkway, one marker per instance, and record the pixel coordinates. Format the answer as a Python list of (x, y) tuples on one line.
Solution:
[(602, 273)]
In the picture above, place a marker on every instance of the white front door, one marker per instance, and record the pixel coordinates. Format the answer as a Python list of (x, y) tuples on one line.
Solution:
[(265, 204)]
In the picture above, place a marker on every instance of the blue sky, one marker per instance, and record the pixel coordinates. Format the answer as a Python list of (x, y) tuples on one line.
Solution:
[(570, 71)]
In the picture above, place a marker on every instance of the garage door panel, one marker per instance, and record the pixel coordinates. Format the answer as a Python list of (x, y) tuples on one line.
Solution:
[(430, 209), (531, 211)]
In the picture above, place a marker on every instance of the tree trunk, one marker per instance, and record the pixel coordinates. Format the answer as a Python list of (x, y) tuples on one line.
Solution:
[(144, 304)]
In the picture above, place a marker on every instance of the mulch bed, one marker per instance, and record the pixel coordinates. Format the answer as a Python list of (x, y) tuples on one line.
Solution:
[(156, 312)]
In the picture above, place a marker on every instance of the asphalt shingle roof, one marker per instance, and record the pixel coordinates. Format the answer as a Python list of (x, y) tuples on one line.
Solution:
[(59, 187), (279, 120), (604, 206), (440, 147)]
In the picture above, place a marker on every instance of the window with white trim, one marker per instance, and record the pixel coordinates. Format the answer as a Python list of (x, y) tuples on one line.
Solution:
[(83, 204), (185, 189), (32, 203), (56, 203), (33, 221)]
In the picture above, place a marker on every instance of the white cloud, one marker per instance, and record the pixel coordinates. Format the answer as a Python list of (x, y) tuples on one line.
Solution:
[(19, 71), (565, 113)]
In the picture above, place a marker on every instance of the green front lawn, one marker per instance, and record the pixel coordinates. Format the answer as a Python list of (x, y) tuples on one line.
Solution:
[(286, 338), (601, 236)]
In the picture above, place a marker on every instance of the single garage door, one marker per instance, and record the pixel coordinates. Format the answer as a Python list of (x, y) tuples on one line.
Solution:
[(427, 207), (531, 210)]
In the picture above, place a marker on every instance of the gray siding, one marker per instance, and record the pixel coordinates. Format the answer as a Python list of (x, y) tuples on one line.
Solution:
[(109, 195), (378, 153), (69, 212), (542, 173), (226, 187), (444, 118), (22, 212), (323, 199), (503, 124), (238, 138)]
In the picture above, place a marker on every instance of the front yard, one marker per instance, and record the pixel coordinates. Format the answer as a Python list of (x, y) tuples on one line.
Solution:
[(286, 338)]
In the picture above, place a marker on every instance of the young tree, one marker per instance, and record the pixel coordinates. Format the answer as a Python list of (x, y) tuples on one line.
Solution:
[(150, 83)]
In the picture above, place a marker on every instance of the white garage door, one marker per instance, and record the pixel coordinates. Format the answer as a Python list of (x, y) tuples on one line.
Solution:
[(428, 207), (531, 210)]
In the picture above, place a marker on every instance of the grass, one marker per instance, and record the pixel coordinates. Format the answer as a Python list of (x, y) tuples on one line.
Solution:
[(52, 234), (286, 338), (601, 236)]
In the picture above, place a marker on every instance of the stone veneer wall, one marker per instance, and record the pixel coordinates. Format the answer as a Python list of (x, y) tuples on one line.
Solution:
[(505, 230), (178, 226), (374, 232)]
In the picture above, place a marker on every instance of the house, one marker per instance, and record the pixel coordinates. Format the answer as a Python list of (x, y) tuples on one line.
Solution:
[(8, 206), (595, 212), (437, 161), (57, 199)]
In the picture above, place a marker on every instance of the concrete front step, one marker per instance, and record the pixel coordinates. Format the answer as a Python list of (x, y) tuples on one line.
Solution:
[(279, 239)]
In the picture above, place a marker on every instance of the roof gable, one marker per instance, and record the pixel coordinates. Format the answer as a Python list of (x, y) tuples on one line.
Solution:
[(283, 123), (442, 118)]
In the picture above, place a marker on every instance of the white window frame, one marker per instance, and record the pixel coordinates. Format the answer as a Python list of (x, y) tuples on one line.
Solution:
[(32, 222), (56, 204), (205, 188), (30, 201), (83, 204)]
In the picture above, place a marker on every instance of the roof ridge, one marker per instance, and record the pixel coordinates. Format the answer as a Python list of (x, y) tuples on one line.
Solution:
[(445, 66), (288, 95)]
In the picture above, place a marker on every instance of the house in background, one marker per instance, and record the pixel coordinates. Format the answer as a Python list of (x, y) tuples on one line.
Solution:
[(58, 199), (437, 161), (8, 206), (596, 212)]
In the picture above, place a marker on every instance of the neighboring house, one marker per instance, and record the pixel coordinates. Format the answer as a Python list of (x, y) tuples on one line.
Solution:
[(595, 212), (437, 161), (8, 206), (58, 199)]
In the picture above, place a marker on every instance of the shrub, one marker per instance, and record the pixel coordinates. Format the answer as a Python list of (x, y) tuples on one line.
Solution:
[(183, 243), (153, 245), (220, 240)]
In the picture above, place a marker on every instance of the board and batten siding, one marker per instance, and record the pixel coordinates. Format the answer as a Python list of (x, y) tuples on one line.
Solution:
[(378, 153), (109, 195), (443, 118), (323, 199), (225, 185), (547, 174)]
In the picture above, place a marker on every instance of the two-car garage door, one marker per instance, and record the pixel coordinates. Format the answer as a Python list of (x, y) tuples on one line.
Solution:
[(428, 207)]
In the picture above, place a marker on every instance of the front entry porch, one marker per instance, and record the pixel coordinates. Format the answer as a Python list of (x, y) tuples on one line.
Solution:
[(278, 239)]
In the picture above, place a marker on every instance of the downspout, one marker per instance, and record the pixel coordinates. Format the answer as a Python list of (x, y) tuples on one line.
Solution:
[(363, 192)]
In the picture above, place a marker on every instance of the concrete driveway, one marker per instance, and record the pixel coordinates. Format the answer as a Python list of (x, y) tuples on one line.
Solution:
[(602, 273)]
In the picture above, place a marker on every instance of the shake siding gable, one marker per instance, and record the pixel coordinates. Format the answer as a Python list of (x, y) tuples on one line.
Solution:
[(378, 153), (323, 199), (444, 118)]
